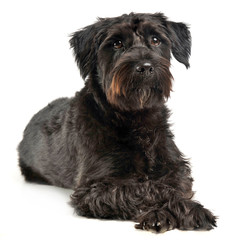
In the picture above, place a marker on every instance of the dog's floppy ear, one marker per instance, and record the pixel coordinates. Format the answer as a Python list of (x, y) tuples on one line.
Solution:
[(83, 46), (180, 38)]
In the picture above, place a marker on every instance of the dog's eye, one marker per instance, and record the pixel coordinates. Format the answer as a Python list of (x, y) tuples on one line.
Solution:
[(155, 41), (118, 44)]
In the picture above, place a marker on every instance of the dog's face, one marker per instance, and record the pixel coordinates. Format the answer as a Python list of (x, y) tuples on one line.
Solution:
[(129, 57)]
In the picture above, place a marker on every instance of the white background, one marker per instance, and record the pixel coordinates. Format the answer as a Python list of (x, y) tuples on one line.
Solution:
[(36, 67)]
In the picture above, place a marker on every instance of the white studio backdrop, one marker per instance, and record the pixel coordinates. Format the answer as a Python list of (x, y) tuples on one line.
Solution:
[(37, 66)]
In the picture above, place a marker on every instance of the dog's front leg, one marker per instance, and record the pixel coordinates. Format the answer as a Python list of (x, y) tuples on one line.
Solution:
[(108, 199), (174, 208), (120, 198)]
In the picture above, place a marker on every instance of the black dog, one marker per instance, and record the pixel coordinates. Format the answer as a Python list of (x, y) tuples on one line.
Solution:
[(111, 143)]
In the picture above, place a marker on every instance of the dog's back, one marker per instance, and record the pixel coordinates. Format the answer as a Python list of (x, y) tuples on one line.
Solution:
[(43, 141)]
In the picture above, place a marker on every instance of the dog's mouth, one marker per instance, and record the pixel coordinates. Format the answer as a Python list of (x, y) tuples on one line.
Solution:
[(143, 95), (138, 91)]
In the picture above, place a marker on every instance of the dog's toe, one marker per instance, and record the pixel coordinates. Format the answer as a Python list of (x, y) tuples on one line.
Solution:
[(158, 221)]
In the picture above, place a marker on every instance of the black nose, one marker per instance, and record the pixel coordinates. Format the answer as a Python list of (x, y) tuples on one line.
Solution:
[(145, 68)]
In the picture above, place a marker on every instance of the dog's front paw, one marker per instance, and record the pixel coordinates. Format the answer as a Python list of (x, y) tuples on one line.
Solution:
[(156, 220), (199, 218)]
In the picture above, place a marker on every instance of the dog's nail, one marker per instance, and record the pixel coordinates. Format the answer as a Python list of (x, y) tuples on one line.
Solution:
[(158, 224), (138, 226), (73, 196)]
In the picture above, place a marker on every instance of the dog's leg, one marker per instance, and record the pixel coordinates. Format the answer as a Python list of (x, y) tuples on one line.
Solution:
[(155, 206), (119, 199), (31, 175), (109, 200), (175, 209)]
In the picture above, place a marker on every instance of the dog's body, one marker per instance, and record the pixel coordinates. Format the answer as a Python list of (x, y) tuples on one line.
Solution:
[(111, 143)]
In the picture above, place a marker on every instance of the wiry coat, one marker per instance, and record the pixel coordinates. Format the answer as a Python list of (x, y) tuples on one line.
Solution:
[(111, 143)]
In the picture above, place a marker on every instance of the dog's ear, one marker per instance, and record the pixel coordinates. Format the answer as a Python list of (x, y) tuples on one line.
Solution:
[(83, 46), (180, 38)]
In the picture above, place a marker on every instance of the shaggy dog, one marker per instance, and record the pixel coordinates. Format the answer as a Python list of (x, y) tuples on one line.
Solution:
[(112, 143)]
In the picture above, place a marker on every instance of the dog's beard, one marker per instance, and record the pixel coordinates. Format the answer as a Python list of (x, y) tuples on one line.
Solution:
[(130, 90), (122, 77), (143, 96)]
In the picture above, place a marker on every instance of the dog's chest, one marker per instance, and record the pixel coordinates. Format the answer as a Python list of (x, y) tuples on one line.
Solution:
[(143, 145), (140, 165), (143, 137)]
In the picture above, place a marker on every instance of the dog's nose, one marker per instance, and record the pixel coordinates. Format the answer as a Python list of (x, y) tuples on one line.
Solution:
[(145, 68)]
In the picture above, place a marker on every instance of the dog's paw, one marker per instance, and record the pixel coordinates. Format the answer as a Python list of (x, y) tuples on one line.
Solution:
[(199, 218), (156, 220)]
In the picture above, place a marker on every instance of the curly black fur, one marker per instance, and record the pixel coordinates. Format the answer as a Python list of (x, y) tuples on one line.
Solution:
[(111, 143)]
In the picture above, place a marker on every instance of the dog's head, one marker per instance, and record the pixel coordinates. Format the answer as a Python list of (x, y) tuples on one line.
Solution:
[(129, 57)]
